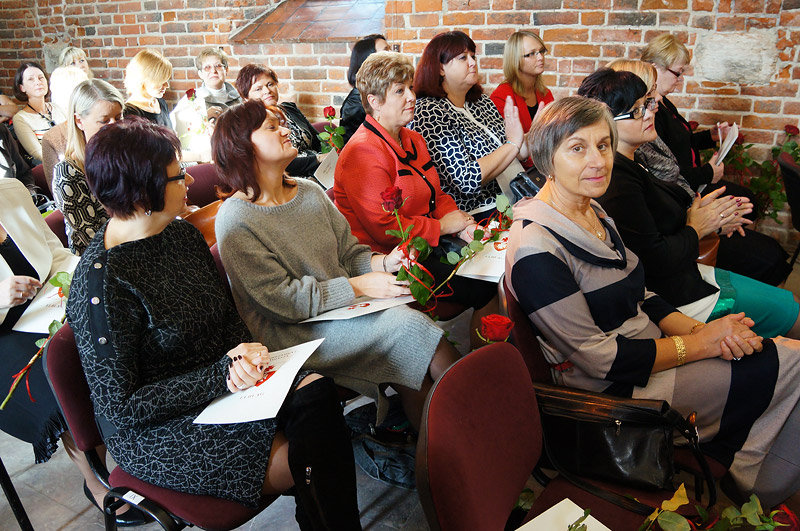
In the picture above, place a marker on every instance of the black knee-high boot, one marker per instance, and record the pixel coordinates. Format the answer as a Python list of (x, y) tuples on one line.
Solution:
[(321, 458)]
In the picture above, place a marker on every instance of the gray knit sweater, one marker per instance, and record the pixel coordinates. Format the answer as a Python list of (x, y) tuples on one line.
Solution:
[(290, 262)]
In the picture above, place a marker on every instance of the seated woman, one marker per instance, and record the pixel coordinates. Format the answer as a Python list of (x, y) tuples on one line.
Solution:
[(470, 143), (523, 64), (384, 153), (7, 108), (257, 82), (670, 58), (290, 256), (654, 222), (72, 56), (30, 254), (37, 116), (94, 104), (603, 331), (741, 250), (152, 366), (352, 113), (146, 80), (63, 81), (12, 163)]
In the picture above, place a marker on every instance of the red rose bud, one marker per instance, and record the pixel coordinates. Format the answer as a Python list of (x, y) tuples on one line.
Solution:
[(739, 139), (190, 93), (329, 112), (392, 198), (496, 327), (792, 130), (693, 125)]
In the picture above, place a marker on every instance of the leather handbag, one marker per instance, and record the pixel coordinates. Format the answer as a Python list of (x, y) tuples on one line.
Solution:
[(622, 440)]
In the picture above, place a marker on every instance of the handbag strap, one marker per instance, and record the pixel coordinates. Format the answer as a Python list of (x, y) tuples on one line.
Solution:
[(685, 428)]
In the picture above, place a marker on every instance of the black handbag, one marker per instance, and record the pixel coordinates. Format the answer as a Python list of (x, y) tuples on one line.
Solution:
[(623, 440), (527, 184)]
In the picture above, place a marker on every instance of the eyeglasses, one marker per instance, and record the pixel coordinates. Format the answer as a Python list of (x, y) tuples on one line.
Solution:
[(541, 51), (635, 114), (180, 177), (209, 68), (674, 73)]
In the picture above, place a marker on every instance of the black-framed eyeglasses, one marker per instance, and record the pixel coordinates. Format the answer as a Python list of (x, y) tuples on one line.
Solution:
[(674, 73), (638, 112), (541, 51), (180, 177)]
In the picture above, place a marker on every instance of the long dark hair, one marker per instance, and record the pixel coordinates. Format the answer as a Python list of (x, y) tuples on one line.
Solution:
[(361, 50), (441, 50)]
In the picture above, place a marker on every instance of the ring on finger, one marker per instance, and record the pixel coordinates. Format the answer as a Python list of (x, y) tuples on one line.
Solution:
[(243, 386), (737, 359)]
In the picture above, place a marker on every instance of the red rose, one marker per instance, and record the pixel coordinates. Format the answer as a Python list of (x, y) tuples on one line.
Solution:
[(739, 139), (392, 198), (496, 327), (693, 125), (792, 130), (329, 112), (190, 94)]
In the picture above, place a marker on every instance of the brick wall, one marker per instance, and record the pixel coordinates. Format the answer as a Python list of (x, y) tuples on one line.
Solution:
[(582, 35)]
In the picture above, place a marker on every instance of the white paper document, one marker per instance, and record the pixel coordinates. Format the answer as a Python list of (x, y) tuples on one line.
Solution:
[(361, 306), (324, 173), (263, 400), (727, 144), (47, 306), (560, 516), (489, 264)]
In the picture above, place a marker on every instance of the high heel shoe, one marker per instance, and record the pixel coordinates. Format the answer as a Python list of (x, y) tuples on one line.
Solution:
[(131, 517)]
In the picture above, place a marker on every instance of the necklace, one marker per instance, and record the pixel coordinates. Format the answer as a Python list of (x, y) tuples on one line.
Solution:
[(597, 230), (48, 118)]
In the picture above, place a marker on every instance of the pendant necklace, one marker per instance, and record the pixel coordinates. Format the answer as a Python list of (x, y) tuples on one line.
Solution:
[(48, 118)]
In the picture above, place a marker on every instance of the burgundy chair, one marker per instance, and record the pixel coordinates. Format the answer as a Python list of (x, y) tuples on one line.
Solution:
[(40, 181), (171, 509), (524, 337), (202, 191), (204, 219), (55, 220), (479, 440)]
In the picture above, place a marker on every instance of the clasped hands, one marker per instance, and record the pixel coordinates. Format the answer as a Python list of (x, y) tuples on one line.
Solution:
[(248, 364), (729, 337), (716, 213)]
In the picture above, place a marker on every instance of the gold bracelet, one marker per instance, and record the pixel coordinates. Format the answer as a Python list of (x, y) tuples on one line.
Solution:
[(695, 327), (680, 346)]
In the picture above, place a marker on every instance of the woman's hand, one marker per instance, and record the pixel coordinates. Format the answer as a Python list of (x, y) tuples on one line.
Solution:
[(248, 361), (514, 132), (454, 222), (720, 131), (392, 262), (727, 337), (17, 289), (379, 285), (468, 233), (703, 218), (719, 169)]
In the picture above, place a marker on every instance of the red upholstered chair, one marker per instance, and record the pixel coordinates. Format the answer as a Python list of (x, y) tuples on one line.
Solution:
[(55, 220), (202, 191), (171, 509), (41, 182), (204, 219), (479, 440)]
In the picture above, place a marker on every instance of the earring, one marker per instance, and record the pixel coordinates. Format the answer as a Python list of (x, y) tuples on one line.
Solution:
[(148, 213), (549, 177)]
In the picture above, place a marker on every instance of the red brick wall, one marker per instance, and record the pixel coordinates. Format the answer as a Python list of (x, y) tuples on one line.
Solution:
[(582, 35)]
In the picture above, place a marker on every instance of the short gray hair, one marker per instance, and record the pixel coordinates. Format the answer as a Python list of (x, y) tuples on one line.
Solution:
[(558, 121), (378, 72)]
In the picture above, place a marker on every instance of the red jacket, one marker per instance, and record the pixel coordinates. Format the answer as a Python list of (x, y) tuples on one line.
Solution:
[(499, 99), (368, 165)]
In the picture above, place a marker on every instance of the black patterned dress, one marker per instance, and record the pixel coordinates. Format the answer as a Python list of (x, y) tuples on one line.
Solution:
[(153, 323)]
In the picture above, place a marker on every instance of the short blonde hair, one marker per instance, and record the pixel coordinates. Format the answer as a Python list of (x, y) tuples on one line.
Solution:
[(378, 72), (210, 52), (147, 65), (512, 61), (664, 50), (83, 98), (646, 71), (63, 81), (70, 54), (561, 119)]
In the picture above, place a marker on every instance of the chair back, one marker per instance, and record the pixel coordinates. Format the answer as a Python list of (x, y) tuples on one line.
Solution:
[(524, 335), (41, 182), (55, 220), (64, 371), (204, 219), (479, 440), (708, 248), (202, 192), (790, 171)]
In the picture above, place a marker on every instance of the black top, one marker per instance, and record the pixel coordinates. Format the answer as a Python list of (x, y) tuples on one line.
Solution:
[(352, 113), (651, 217), (11, 160), (19, 266), (676, 133), (306, 162), (162, 118)]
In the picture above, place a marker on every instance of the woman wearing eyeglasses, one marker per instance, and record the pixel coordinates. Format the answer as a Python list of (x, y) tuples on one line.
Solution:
[(523, 64), (662, 225)]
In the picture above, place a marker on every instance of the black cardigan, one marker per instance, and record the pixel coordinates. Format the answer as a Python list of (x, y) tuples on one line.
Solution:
[(651, 217), (352, 114), (11, 159), (674, 130), (303, 165)]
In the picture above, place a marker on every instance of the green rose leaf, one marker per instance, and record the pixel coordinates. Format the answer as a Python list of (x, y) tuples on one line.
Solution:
[(40, 342), (731, 513), (339, 130), (475, 245), (53, 327), (402, 274), (394, 232), (324, 136), (670, 521), (502, 203), (338, 141), (326, 148), (478, 234), (421, 245), (453, 258)]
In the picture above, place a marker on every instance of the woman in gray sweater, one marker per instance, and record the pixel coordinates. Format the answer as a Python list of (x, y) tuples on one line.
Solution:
[(290, 255)]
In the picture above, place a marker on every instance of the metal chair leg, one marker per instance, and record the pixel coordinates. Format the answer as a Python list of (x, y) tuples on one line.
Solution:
[(13, 499)]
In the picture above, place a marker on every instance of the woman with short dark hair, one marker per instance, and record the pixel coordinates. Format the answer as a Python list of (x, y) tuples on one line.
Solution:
[(37, 116), (260, 83), (352, 113), (159, 338), (469, 142)]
